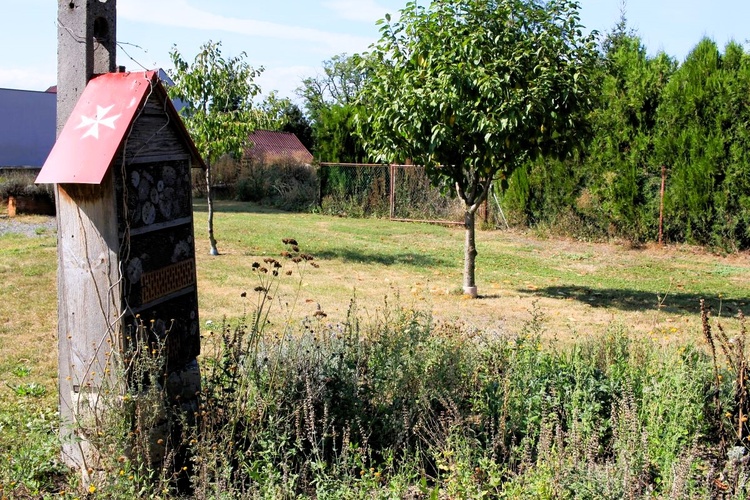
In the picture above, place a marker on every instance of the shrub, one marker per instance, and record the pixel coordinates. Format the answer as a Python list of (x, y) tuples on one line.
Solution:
[(364, 191), (21, 183), (288, 186)]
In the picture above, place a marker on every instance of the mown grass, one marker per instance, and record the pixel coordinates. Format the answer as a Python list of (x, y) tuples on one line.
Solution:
[(28, 309), (578, 284), (583, 289)]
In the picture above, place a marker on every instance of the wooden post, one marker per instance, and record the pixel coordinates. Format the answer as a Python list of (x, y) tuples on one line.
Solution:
[(661, 204), (485, 210), (87, 240), (11, 206), (392, 191)]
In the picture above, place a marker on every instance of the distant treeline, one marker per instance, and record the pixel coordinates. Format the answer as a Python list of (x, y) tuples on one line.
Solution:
[(650, 112)]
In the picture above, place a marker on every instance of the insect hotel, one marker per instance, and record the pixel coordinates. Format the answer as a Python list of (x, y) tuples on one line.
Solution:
[(122, 164)]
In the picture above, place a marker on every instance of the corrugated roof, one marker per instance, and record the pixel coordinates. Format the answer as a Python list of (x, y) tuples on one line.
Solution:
[(269, 146), (98, 124)]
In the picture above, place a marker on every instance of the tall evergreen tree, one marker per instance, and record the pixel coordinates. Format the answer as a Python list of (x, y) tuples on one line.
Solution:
[(623, 178), (703, 139)]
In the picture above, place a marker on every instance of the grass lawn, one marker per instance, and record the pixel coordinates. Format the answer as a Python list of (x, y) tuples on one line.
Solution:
[(581, 288)]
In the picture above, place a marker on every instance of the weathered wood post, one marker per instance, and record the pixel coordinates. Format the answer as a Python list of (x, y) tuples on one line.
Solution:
[(86, 45), (121, 166)]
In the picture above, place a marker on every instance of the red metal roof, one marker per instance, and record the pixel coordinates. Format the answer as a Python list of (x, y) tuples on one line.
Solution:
[(98, 124), (269, 146)]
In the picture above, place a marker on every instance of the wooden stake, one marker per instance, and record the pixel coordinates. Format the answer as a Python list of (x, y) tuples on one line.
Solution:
[(392, 194), (661, 204)]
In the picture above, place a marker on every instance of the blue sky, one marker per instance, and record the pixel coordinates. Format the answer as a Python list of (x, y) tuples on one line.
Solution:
[(290, 38)]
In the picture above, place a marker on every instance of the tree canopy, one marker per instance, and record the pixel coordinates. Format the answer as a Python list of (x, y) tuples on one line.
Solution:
[(218, 95), (340, 84), (471, 89), (280, 113), (330, 100)]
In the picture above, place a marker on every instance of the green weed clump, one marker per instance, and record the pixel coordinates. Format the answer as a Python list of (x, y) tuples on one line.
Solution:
[(29, 449), (402, 406)]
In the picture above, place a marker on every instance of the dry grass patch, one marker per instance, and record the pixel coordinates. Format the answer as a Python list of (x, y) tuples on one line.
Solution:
[(581, 289)]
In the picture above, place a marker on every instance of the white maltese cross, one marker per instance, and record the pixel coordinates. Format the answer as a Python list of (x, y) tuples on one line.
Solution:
[(98, 119)]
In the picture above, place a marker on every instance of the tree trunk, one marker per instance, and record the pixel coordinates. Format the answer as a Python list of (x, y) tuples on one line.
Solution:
[(210, 202), (470, 254)]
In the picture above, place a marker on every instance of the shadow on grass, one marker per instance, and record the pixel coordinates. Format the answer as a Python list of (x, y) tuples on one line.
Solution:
[(363, 257), (636, 300)]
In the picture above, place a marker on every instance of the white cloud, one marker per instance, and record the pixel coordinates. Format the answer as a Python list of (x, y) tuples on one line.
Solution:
[(284, 80), (367, 11), (179, 13), (26, 78)]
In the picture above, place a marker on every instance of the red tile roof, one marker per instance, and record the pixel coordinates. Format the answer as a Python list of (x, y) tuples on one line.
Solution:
[(270, 146)]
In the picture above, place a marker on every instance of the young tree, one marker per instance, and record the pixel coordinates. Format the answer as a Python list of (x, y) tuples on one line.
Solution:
[(217, 93), (471, 89)]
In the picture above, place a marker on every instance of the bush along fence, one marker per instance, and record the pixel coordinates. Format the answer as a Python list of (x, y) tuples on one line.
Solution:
[(401, 192), (22, 196)]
